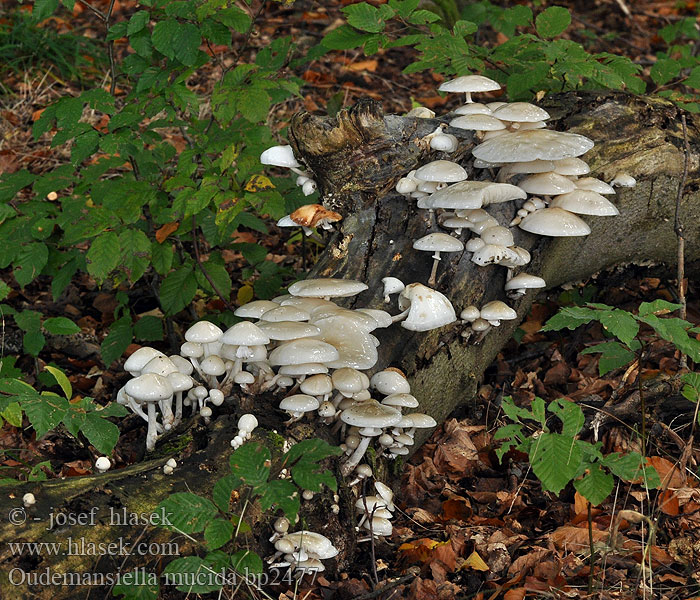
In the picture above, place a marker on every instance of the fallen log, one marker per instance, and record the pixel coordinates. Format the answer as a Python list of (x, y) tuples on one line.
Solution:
[(356, 159)]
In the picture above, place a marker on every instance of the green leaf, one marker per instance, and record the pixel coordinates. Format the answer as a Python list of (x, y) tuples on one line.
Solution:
[(254, 104), (187, 46), (570, 415), (162, 257), (283, 494), (32, 258), (621, 324), (345, 38), (217, 533), (613, 356), (164, 37), (187, 512), (246, 562), (555, 459), (101, 433), (118, 339), (552, 21), (103, 256), (628, 466), (365, 17), (44, 411), (691, 389), (218, 274), (13, 414), (33, 342), (149, 329), (251, 464), (62, 381), (4, 290), (570, 317), (657, 307), (43, 9), (138, 21), (178, 290), (664, 69), (595, 486), (60, 326), (135, 253), (223, 489), (235, 18)]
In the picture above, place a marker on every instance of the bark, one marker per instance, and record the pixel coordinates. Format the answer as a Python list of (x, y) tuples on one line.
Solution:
[(357, 159)]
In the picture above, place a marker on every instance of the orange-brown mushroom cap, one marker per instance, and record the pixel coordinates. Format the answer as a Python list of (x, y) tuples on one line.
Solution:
[(309, 215)]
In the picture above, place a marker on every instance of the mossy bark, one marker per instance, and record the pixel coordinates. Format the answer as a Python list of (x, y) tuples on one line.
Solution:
[(357, 159)]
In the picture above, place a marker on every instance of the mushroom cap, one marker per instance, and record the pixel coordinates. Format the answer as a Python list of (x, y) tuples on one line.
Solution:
[(304, 350), (442, 171), (547, 184), (530, 166), (477, 122), (203, 332), (473, 108), (438, 242), (555, 222), (253, 310), (299, 403), (594, 185), (279, 156), (571, 167), (470, 313), (149, 388), (473, 194), (489, 254), (497, 311), (382, 317), (421, 112), (317, 385), (180, 382), (532, 144), (213, 365), (103, 463), (183, 365), (498, 235), (392, 285), (421, 420), (525, 281), (140, 358), (521, 112), (243, 377), (470, 83), (351, 339), (245, 333), (192, 349), (370, 413), (310, 215), (285, 313), (160, 365), (401, 400), (429, 309), (585, 202), (390, 381), (300, 369), (444, 142), (456, 223), (348, 381), (313, 543), (328, 287), (288, 330), (623, 180)]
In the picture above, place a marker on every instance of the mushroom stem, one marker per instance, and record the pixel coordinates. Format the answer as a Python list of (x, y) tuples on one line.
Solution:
[(178, 408), (349, 465), (469, 97), (152, 433), (433, 271), (400, 316)]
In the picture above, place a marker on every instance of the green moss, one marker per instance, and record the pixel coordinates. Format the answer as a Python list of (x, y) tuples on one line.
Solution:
[(173, 446), (276, 440)]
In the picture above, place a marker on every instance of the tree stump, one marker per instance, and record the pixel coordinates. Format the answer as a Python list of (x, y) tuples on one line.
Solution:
[(356, 158)]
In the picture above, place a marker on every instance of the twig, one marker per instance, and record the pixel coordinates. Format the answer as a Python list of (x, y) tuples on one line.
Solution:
[(624, 8), (678, 228), (105, 18), (385, 588), (227, 304), (591, 562)]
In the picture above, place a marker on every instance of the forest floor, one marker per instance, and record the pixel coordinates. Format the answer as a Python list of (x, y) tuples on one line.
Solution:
[(469, 527)]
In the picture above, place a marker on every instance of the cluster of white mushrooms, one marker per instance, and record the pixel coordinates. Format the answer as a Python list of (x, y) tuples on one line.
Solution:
[(320, 354)]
